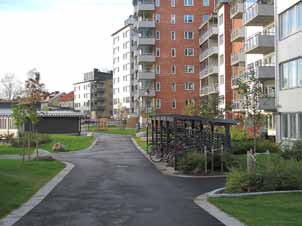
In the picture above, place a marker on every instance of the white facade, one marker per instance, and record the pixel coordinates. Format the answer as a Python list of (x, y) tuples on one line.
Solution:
[(288, 17), (122, 70), (82, 97)]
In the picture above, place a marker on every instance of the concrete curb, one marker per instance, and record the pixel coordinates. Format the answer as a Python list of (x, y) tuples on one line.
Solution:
[(217, 193), (202, 202), (17, 214), (168, 171)]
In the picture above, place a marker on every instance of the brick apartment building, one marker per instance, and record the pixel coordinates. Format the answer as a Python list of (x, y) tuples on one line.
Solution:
[(167, 56)]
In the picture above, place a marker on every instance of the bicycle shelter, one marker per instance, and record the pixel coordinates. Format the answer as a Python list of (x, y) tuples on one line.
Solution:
[(180, 133)]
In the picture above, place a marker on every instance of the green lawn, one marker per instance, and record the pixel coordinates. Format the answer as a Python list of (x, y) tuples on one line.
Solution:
[(71, 143), (267, 210), (10, 150), (142, 144), (18, 182)]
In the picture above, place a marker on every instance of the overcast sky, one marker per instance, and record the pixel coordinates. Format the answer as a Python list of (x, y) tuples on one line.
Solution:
[(61, 38)]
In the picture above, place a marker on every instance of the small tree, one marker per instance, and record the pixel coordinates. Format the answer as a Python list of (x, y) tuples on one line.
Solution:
[(210, 107), (251, 91)]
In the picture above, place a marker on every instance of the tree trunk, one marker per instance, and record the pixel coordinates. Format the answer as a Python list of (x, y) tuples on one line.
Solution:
[(255, 134)]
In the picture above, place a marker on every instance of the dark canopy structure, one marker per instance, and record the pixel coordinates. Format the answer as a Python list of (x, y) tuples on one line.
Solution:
[(181, 133)]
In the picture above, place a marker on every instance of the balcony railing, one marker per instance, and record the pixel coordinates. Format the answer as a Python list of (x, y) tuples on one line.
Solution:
[(207, 53), (260, 13), (147, 92), (237, 105), (146, 5), (237, 10), (209, 70), (208, 90), (212, 30), (238, 58), (238, 34), (260, 43)]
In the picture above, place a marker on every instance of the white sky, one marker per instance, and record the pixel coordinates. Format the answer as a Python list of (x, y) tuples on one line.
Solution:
[(61, 38)]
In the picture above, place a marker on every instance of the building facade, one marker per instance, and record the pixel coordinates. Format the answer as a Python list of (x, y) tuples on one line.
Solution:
[(94, 95), (167, 55), (123, 87), (215, 52), (288, 17)]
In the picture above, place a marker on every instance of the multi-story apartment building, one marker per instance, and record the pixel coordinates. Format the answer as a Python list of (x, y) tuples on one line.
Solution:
[(215, 52), (253, 34), (288, 15), (123, 78), (94, 95), (167, 59)]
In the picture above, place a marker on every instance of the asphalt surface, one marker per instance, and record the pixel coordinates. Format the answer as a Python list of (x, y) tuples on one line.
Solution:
[(114, 185)]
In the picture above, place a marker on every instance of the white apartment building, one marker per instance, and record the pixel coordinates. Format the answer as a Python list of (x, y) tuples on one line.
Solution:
[(288, 17), (123, 69)]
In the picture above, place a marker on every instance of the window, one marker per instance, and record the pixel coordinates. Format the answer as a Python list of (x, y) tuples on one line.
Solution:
[(189, 86), (157, 3), (173, 69), (221, 59), (157, 105), (173, 3), (157, 18), (291, 74), (188, 18), (157, 86), (157, 35), (173, 35), (188, 3), (173, 52), (221, 38), (189, 69), (157, 52), (221, 79), (284, 120), (173, 19), (188, 35), (157, 69), (290, 21), (205, 17), (206, 3), (189, 51), (173, 104), (220, 19), (173, 87), (293, 126)]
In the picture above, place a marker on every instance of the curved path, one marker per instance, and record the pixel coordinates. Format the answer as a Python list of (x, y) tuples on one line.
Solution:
[(114, 185)]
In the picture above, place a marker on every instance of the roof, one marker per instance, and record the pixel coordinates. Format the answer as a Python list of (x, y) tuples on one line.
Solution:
[(67, 97), (47, 114), (173, 117), (119, 30)]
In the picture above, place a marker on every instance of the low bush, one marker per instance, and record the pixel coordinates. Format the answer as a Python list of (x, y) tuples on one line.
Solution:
[(241, 147), (33, 137), (272, 174), (239, 133), (295, 152), (192, 163)]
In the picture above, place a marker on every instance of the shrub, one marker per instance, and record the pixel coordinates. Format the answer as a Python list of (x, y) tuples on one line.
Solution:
[(238, 133), (34, 138), (241, 147), (294, 153), (192, 162), (272, 174)]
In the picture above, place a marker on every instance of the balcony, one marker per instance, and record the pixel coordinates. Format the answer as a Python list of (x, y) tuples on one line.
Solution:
[(267, 103), (147, 93), (145, 23), (208, 90), (259, 14), (238, 58), (238, 35), (208, 53), (145, 58), (146, 5), (212, 31), (146, 41), (208, 71), (146, 75), (261, 43), (266, 72), (237, 10)]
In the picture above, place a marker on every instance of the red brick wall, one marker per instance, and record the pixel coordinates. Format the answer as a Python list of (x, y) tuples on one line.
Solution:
[(165, 60)]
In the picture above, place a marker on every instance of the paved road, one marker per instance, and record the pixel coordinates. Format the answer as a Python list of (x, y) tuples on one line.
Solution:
[(114, 185)]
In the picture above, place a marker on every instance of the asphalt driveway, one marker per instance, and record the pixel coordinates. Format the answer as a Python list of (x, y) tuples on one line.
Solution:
[(114, 185)]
